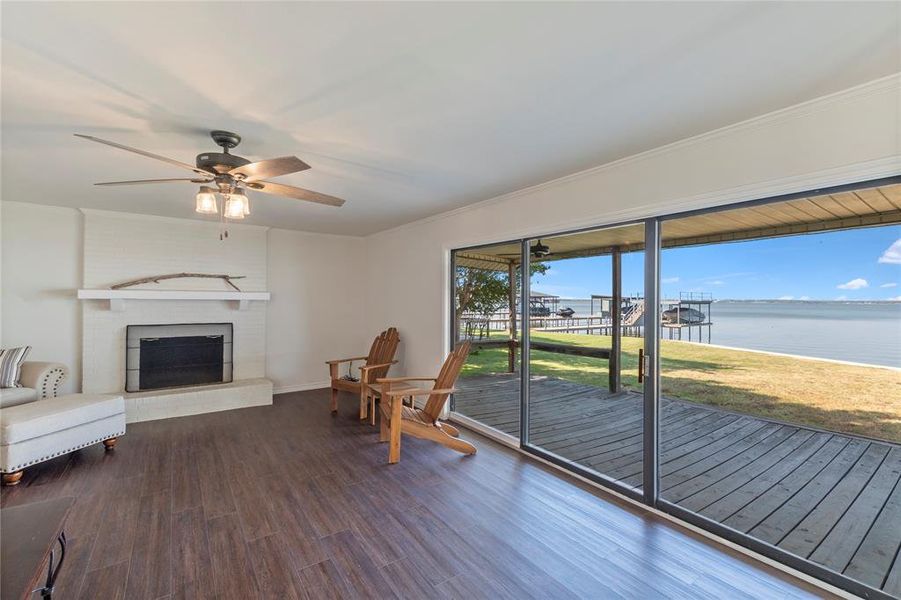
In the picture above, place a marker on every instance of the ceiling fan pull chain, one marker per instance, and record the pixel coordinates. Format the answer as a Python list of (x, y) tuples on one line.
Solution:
[(223, 232)]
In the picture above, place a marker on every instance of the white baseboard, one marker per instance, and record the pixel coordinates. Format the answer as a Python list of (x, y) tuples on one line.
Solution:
[(301, 387)]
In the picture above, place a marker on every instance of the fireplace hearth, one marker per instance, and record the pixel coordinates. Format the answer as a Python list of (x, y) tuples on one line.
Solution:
[(177, 355)]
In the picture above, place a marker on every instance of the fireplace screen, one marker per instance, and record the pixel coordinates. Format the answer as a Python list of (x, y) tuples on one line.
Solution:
[(166, 356)]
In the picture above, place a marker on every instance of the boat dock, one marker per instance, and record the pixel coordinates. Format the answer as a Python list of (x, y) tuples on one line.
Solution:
[(689, 318)]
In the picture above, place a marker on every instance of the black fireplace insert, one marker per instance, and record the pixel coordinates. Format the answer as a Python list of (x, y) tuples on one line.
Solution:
[(176, 355)]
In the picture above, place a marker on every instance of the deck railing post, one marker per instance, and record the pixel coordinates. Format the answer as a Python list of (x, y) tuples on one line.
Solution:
[(652, 356)]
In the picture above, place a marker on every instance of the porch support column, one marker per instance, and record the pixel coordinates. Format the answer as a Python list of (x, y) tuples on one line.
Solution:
[(650, 475), (616, 332), (524, 389), (511, 297)]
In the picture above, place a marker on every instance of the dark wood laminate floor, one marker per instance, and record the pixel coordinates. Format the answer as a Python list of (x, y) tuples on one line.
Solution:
[(829, 498), (286, 501)]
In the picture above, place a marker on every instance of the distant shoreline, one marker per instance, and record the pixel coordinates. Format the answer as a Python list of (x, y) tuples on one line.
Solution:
[(563, 299), (778, 301), (864, 332)]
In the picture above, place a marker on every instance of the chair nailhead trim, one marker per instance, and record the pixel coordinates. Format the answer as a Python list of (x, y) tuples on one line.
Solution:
[(54, 377)]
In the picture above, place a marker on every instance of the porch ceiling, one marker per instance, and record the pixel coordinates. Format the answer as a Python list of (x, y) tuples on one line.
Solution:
[(864, 207)]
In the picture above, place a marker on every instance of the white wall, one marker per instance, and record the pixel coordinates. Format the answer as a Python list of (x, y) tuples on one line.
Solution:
[(317, 308), (41, 269), (846, 137), (316, 312), (119, 247)]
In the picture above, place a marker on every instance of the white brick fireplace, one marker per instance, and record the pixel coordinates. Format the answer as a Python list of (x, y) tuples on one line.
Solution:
[(120, 247)]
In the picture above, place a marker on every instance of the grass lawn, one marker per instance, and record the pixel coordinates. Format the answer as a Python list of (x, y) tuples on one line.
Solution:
[(843, 398)]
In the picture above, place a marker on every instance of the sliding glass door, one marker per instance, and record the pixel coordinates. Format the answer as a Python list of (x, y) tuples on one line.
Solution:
[(585, 324), (736, 368), (486, 287), (781, 400)]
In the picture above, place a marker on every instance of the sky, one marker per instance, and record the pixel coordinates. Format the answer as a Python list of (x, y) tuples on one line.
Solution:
[(856, 264)]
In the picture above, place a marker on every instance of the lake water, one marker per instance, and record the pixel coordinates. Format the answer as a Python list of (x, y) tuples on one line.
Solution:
[(864, 332)]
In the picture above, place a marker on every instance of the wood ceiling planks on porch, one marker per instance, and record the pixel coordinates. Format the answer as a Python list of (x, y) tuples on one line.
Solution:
[(879, 205), (830, 498)]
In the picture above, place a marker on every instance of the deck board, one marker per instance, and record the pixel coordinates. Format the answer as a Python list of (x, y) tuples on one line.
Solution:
[(831, 498), (840, 544), (880, 547), (790, 513), (727, 505)]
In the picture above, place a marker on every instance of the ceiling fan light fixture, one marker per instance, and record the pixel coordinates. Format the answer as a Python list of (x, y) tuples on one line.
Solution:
[(539, 250), (234, 206), (245, 203), (205, 201)]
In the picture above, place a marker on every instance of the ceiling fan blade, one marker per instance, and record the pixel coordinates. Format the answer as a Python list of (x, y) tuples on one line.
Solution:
[(272, 167), (171, 161), (295, 192), (143, 181)]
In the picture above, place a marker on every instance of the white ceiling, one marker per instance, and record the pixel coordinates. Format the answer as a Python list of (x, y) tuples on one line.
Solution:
[(403, 109)]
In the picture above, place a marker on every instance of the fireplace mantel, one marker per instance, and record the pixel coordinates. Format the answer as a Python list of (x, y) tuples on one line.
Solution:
[(117, 298)]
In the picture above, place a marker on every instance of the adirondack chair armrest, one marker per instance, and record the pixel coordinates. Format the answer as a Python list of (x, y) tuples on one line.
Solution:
[(411, 391), (365, 368), (407, 378), (344, 360)]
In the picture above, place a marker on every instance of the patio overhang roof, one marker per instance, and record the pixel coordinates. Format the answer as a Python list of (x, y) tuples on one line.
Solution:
[(865, 207)]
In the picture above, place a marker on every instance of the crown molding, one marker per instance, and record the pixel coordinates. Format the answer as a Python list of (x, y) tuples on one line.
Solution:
[(884, 85), (850, 174)]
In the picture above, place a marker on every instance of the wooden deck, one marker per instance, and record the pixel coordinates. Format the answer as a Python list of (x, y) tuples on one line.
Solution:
[(832, 499)]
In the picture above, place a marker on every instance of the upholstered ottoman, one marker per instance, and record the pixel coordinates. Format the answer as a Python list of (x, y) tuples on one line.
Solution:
[(38, 431)]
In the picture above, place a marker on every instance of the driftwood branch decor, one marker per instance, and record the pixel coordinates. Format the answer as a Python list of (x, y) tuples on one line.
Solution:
[(158, 278)]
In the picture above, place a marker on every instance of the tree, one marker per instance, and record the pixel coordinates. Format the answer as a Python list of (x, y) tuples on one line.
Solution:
[(483, 291)]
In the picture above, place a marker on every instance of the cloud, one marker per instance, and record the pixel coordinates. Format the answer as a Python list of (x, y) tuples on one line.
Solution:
[(716, 282), (854, 284), (670, 280), (843, 297), (895, 299), (785, 298), (892, 254), (889, 285), (804, 298)]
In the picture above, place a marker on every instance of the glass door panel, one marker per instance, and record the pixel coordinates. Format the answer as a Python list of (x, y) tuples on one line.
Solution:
[(486, 313), (585, 320), (785, 428)]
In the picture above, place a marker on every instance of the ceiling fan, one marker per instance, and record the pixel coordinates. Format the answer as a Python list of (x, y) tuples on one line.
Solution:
[(228, 174), (539, 251)]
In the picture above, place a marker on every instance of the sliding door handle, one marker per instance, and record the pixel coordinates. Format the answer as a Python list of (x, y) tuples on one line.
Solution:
[(640, 365)]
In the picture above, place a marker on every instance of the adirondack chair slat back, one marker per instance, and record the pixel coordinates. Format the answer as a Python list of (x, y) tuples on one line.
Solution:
[(446, 379), (382, 352)]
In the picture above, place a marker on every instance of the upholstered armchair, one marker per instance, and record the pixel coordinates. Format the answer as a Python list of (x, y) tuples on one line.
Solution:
[(39, 380)]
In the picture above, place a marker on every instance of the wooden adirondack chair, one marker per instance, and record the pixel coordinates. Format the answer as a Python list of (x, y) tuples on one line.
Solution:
[(378, 361), (422, 423)]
